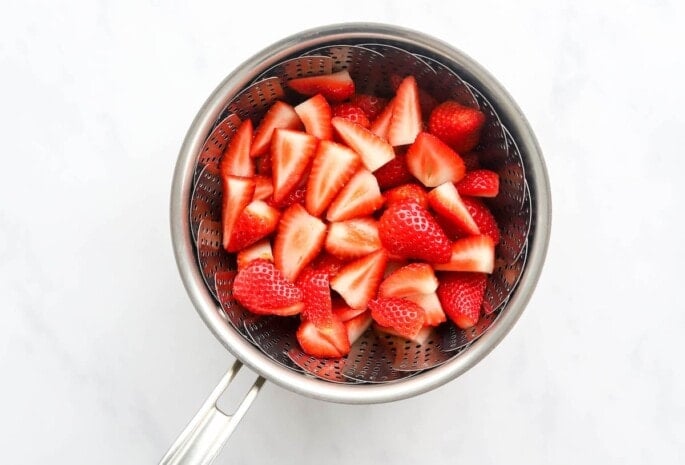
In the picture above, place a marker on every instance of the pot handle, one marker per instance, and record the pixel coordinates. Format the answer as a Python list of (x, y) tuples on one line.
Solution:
[(204, 437)]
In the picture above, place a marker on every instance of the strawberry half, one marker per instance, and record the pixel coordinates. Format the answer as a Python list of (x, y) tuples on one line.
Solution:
[(291, 152), (479, 183), (394, 173), (345, 312), (237, 194), (352, 238), (473, 253), (432, 162), (262, 289), (430, 303), (357, 326), (415, 278), (461, 296), (328, 263), (405, 123), (316, 295), (447, 204), (264, 188), (351, 113), (329, 342), (257, 221), (361, 196), (410, 192), (381, 124), (456, 125), (316, 114), (371, 105), (402, 315), (298, 241), (334, 87), (373, 150), (333, 166), (357, 282), (258, 250), (279, 116), (236, 159), (420, 337), (487, 224)]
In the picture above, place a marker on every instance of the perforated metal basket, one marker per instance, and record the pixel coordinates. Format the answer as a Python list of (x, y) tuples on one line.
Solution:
[(378, 368)]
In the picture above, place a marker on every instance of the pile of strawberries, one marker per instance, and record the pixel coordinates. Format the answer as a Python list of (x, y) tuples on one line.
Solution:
[(350, 210)]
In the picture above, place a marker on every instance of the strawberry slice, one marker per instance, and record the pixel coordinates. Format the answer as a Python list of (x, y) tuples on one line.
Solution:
[(423, 335), (483, 218), (315, 113), (291, 152), (262, 289), (432, 162), (473, 253), (264, 163), (258, 250), (236, 159), (426, 101), (257, 221), (357, 282), (333, 166), (430, 303), (456, 125), (461, 296), (479, 183), (352, 238), (361, 196), (328, 263), (373, 150), (298, 241), (352, 113), (381, 125), (329, 342), (408, 230), (405, 123), (410, 192), (394, 173), (415, 278), (316, 295), (345, 312), (264, 188), (447, 204), (279, 116), (357, 326), (402, 315), (237, 194), (334, 87), (371, 105)]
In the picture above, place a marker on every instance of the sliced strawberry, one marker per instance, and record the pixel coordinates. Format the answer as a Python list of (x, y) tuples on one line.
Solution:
[(405, 123), (423, 335), (472, 253), (483, 218), (333, 166), (402, 315), (352, 113), (258, 250), (393, 265), (456, 125), (316, 295), (371, 105), (426, 101), (315, 113), (296, 195), (357, 282), (415, 278), (432, 162), (236, 159), (479, 183), (357, 326), (381, 124), (264, 164), (334, 87), (261, 288), (361, 196), (264, 188), (461, 296), (430, 303), (394, 173), (345, 312), (329, 342), (408, 230), (411, 192), (352, 238), (448, 204), (257, 221), (328, 263), (373, 150), (291, 152), (237, 194), (298, 241), (279, 116)]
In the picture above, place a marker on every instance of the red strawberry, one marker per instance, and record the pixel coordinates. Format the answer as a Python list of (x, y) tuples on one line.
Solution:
[(335, 87), (483, 218), (258, 250), (371, 105), (405, 123), (296, 195), (237, 194), (397, 313), (420, 337), (431, 305), (415, 278), (426, 101), (353, 238), (345, 312), (261, 288), (407, 229), (410, 192), (257, 221), (448, 204), (328, 263), (316, 295), (315, 114), (432, 162), (461, 296), (264, 165), (298, 241), (357, 326), (373, 150), (456, 125), (291, 152), (280, 115), (393, 173), (333, 166), (331, 342), (381, 124), (264, 188), (236, 159), (352, 113), (479, 183), (472, 253), (357, 282), (361, 196)]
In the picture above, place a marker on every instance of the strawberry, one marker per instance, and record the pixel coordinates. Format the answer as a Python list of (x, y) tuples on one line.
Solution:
[(328, 263), (315, 114), (333, 166), (257, 221), (426, 101), (352, 113), (296, 195), (415, 278), (456, 125), (373, 150), (479, 183), (472, 253), (483, 218), (361, 196), (329, 342), (264, 188), (405, 123), (371, 105), (410, 192), (381, 124), (334, 87), (237, 194), (258, 250), (298, 241), (357, 326), (352, 238), (397, 313), (423, 335), (432, 162), (431, 305), (393, 173), (264, 164), (261, 288), (407, 229), (448, 204), (357, 282), (461, 296), (345, 312), (279, 116), (236, 158), (316, 295), (291, 152)]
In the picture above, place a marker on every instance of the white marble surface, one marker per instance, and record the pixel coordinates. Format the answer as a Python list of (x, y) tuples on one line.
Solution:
[(103, 358)]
